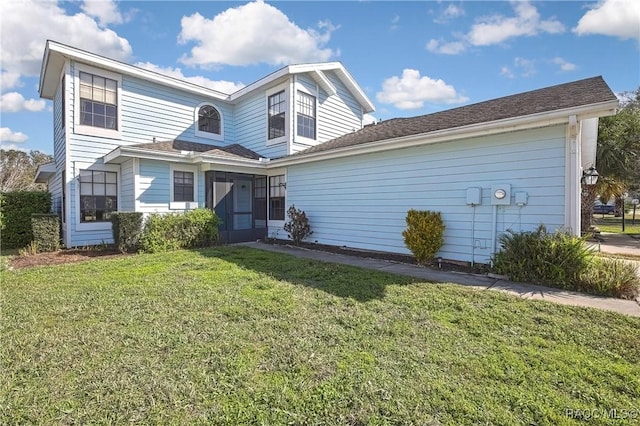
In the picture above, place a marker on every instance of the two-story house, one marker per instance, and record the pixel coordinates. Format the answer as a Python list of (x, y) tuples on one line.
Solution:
[(128, 139)]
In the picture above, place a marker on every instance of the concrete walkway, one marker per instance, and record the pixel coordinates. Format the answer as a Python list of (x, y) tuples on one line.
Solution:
[(481, 282)]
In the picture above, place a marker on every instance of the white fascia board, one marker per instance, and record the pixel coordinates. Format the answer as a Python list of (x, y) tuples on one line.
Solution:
[(60, 50), (474, 130), (354, 88), (323, 82)]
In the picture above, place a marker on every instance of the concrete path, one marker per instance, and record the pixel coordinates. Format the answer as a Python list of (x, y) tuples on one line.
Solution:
[(481, 282), (618, 244)]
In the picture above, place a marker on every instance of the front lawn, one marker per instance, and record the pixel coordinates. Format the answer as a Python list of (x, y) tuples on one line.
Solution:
[(610, 223), (232, 335)]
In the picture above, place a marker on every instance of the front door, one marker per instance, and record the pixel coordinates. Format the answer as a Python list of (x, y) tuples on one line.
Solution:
[(238, 201)]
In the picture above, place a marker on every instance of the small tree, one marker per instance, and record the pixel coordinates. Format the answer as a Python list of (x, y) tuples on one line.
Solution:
[(297, 227)]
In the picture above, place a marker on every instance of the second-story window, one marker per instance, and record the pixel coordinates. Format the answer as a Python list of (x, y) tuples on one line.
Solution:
[(208, 119), (98, 101), (277, 108), (306, 115)]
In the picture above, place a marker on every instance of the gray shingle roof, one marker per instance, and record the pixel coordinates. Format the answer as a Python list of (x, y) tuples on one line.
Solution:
[(578, 93), (233, 151)]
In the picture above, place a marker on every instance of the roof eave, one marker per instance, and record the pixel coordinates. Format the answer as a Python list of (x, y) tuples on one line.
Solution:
[(44, 172), (474, 130)]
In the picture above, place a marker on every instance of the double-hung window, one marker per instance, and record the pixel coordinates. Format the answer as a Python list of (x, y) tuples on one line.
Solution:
[(98, 195), (277, 187), (306, 115), (98, 101), (183, 186), (277, 104)]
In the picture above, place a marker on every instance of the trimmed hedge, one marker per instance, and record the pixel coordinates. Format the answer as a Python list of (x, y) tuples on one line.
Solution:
[(127, 230), (424, 235), (46, 231), (16, 209), (172, 231)]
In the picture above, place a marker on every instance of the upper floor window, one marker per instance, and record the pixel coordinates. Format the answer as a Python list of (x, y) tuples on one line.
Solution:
[(98, 195), (98, 101), (277, 107), (209, 119), (306, 115)]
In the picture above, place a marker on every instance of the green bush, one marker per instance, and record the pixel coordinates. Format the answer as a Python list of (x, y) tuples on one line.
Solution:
[(46, 231), (127, 229), (16, 210), (611, 277), (556, 259), (297, 227), (172, 231), (424, 235)]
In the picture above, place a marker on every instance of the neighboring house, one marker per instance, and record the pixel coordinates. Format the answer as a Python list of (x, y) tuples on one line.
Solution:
[(128, 139)]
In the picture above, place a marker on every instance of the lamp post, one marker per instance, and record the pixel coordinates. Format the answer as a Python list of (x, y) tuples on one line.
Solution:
[(588, 181)]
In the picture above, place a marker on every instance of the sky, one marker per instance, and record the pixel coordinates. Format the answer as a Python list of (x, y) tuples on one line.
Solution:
[(410, 58)]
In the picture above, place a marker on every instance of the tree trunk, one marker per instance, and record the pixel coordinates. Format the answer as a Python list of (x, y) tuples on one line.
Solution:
[(586, 207)]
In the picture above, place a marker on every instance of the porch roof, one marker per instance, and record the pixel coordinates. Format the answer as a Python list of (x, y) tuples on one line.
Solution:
[(185, 151)]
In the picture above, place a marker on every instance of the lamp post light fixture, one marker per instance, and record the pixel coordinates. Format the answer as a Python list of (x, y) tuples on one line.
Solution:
[(590, 176)]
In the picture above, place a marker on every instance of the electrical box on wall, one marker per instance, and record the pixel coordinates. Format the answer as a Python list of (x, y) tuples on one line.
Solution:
[(474, 196), (521, 198), (501, 194)]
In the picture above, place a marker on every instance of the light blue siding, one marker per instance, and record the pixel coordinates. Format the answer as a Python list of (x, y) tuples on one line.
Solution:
[(339, 114), (154, 186), (362, 201), (55, 183), (127, 187), (251, 126)]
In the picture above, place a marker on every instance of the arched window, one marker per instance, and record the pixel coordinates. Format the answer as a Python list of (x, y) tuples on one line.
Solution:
[(209, 119)]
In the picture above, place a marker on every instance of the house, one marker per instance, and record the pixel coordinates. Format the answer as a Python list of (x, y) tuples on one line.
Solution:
[(128, 139)]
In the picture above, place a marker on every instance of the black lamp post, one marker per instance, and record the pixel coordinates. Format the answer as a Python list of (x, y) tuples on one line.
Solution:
[(590, 176)]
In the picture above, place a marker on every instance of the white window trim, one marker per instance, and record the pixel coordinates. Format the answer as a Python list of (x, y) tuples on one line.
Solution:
[(90, 130), (93, 226), (183, 205), (287, 114), (277, 223), (208, 135), (297, 138)]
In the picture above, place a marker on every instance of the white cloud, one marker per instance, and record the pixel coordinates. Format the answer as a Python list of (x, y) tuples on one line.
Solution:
[(14, 102), (521, 66), (507, 72), (27, 24), (497, 28), (411, 91), (9, 80), (446, 48), (368, 119), (223, 86), (451, 12), (564, 65), (105, 11), (617, 18), (395, 23), (7, 135), (253, 33)]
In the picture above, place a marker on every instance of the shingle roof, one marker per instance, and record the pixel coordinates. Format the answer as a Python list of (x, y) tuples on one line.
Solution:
[(233, 151), (578, 93)]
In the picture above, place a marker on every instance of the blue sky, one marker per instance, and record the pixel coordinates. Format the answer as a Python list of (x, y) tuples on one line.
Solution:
[(411, 58)]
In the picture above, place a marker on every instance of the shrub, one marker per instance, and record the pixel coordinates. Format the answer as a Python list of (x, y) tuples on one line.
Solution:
[(424, 235), (127, 229), (297, 228), (611, 277), (556, 259), (172, 231), (46, 231), (16, 209)]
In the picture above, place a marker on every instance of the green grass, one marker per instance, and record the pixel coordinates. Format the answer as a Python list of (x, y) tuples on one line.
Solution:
[(233, 335), (610, 223)]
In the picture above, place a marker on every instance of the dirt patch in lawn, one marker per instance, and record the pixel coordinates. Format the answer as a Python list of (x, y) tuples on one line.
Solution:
[(62, 257)]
